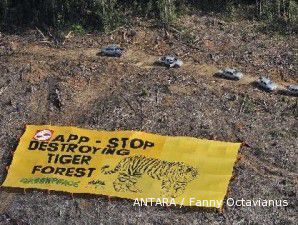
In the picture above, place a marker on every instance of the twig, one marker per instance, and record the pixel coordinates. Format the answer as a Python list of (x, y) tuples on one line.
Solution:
[(2, 90), (47, 42), (132, 108), (40, 32), (242, 105), (175, 30), (115, 30), (53, 37), (68, 35)]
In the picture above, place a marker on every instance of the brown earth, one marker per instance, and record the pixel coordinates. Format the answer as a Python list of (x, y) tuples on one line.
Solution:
[(69, 84)]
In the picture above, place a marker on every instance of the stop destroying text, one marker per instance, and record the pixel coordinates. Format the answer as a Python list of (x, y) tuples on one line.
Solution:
[(74, 150)]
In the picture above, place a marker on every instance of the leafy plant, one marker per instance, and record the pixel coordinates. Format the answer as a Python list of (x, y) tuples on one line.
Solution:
[(108, 14), (77, 29)]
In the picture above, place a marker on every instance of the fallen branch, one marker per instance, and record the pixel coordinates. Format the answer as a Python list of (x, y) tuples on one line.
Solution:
[(68, 35), (2, 90), (47, 42), (40, 32), (242, 105)]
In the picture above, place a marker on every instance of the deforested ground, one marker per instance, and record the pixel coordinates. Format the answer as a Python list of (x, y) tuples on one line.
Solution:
[(68, 83)]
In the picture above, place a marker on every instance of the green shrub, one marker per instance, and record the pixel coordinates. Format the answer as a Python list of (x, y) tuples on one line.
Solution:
[(77, 29), (108, 14)]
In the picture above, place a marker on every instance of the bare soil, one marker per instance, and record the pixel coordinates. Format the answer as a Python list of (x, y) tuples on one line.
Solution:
[(69, 84)]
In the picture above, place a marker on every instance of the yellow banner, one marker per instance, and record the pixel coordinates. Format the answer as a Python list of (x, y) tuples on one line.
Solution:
[(127, 164)]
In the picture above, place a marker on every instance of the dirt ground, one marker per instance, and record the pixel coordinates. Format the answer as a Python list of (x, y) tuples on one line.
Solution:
[(69, 84)]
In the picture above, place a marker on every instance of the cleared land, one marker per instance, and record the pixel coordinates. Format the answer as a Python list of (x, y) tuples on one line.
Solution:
[(132, 93)]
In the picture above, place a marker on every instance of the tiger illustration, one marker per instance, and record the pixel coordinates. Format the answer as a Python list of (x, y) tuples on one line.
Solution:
[(174, 175)]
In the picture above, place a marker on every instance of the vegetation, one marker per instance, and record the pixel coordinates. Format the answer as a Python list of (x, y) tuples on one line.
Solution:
[(108, 14)]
